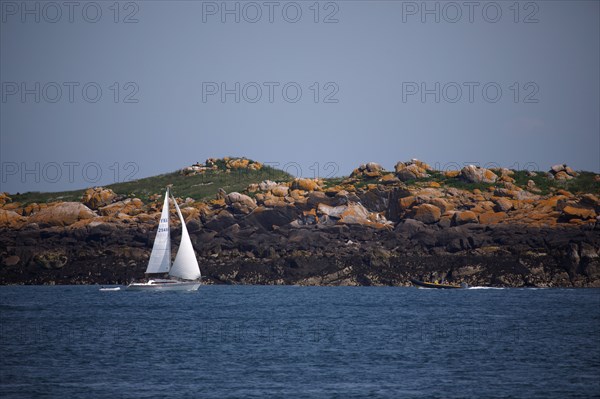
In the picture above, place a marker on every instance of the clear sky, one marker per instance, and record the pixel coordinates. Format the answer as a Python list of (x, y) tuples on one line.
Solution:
[(94, 93)]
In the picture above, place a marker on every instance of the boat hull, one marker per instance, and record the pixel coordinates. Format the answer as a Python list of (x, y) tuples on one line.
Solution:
[(424, 284), (165, 285)]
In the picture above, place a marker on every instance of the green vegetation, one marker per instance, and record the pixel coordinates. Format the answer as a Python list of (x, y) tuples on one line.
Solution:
[(541, 181), (205, 185), (583, 183), (439, 177), (363, 182), (332, 182), (36, 196), (198, 187)]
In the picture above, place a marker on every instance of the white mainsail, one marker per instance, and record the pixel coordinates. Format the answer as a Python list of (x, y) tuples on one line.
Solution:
[(160, 258), (186, 265)]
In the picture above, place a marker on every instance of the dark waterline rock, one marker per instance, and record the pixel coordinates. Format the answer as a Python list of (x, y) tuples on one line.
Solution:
[(254, 250)]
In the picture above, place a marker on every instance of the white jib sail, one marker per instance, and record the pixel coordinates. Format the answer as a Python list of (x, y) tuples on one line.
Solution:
[(186, 265), (160, 258)]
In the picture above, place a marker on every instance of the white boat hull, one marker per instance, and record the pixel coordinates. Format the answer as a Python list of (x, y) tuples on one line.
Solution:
[(110, 289), (165, 285)]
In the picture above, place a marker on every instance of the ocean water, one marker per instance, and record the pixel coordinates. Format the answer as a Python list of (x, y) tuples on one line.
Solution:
[(299, 342)]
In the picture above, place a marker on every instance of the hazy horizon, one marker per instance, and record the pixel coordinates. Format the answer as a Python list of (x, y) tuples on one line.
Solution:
[(93, 94)]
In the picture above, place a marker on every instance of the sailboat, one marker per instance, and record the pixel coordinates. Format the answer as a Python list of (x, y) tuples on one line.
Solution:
[(184, 273)]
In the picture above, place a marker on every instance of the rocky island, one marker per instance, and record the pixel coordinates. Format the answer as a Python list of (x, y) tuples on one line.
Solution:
[(251, 224)]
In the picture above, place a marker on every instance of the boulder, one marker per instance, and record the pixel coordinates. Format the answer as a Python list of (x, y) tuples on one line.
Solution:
[(33, 208), (318, 197), (62, 214), (532, 187), (255, 166), (280, 190), (373, 167), (269, 218), (267, 185), (562, 172), (505, 192), (129, 206), (234, 164), (503, 204), (425, 194), (492, 217), (227, 164), (562, 175), (272, 201), (476, 174), (298, 195), (442, 204), (4, 198), (237, 163), (389, 179), (421, 164), (358, 214), (13, 206), (506, 178), (375, 200), (483, 206), (190, 213), (590, 200), (97, 197), (505, 172), (570, 171), (305, 184), (411, 170), (51, 259), (240, 203), (331, 211), (579, 213), (370, 169), (406, 202), (10, 219), (465, 217), (146, 218), (352, 214), (193, 170), (411, 227), (427, 213)]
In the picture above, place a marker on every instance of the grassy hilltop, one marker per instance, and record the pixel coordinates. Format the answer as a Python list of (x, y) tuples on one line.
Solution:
[(233, 174), (199, 186)]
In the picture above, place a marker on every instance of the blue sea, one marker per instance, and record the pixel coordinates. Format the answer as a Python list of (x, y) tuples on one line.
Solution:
[(299, 342)]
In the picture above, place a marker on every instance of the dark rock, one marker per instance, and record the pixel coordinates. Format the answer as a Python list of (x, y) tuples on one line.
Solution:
[(220, 221), (268, 218), (264, 247), (318, 197)]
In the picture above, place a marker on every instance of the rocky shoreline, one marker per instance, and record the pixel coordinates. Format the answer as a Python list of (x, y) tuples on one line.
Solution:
[(373, 228), (333, 255)]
